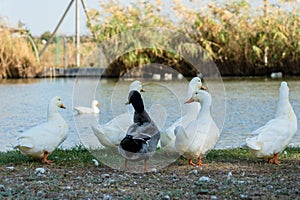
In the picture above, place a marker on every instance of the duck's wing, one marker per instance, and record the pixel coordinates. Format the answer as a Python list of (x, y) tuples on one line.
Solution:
[(182, 141), (274, 132), (111, 133), (142, 136), (82, 109), (46, 136), (103, 139)]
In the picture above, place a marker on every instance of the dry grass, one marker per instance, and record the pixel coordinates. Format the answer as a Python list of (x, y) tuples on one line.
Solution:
[(17, 59)]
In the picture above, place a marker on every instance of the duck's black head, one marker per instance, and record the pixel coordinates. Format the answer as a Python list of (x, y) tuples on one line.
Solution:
[(136, 100)]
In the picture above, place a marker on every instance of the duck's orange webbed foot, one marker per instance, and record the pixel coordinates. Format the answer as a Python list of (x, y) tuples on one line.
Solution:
[(199, 163), (45, 160), (191, 162), (274, 160)]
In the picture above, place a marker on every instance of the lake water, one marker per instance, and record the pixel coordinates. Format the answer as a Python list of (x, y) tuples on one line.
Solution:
[(239, 106)]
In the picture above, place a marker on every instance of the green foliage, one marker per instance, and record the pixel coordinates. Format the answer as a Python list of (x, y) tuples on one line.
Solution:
[(240, 38), (46, 36)]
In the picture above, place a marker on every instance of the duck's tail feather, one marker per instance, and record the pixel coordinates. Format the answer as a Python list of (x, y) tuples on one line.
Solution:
[(102, 137), (253, 144)]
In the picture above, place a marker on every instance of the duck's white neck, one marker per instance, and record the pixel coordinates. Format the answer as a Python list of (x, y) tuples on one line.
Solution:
[(191, 109), (52, 112), (284, 107), (205, 108), (189, 91)]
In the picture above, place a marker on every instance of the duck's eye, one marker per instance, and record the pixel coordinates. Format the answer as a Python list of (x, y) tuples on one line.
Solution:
[(196, 93), (58, 99)]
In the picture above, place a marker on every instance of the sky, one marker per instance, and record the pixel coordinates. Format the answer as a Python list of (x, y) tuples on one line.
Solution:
[(40, 16), (43, 15)]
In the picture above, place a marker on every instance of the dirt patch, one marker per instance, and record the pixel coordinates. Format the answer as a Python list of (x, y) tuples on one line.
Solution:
[(246, 179)]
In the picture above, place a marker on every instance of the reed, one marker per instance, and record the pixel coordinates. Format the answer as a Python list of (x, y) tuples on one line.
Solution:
[(17, 59), (241, 39)]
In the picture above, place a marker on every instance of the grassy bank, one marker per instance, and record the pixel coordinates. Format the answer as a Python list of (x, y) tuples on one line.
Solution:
[(74, 175)]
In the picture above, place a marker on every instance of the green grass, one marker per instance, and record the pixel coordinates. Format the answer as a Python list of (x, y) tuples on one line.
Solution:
[(81, 156)]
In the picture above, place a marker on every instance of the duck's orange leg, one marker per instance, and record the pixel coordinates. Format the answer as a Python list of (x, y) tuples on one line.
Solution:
[(191, 162), (274, 160), (145, 165), (276, 157), (45, 160), (199, 163)]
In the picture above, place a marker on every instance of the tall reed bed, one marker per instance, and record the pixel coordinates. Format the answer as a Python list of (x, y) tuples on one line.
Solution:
[(240, 38), (17, 58)]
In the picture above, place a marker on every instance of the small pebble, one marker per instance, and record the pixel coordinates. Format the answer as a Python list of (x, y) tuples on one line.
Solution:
[(195, 171), (167, 197), (40, 193), (204, 178), (105, 175), (107, 197), (270, 187), (229, 175), (2, 187), (10, 168), (96, 162), (68, 187), (40, 170), (213, 197), (134, 183), (154, 170), (187, 194)]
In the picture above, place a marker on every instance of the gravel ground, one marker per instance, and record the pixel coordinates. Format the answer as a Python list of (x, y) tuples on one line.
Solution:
[(223, 178)]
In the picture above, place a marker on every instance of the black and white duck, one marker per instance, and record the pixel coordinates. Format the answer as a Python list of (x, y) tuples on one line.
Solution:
[(142, 136)]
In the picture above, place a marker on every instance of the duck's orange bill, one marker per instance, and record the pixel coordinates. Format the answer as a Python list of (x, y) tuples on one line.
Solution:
[(189, 101)]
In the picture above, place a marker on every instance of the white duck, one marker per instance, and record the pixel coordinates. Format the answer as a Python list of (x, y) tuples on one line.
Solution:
[(273, 137), (111, 133), (40, 141), (191, 111), (201, 134), (89, 110), (142, 136)]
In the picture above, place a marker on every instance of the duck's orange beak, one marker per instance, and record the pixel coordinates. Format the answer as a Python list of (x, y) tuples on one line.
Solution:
[(203, 88), (189, 101), (142, 90), (62, 106)]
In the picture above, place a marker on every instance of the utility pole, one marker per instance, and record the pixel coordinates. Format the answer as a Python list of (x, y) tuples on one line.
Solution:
[(77, 28), (77, 34), (56, 28)]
